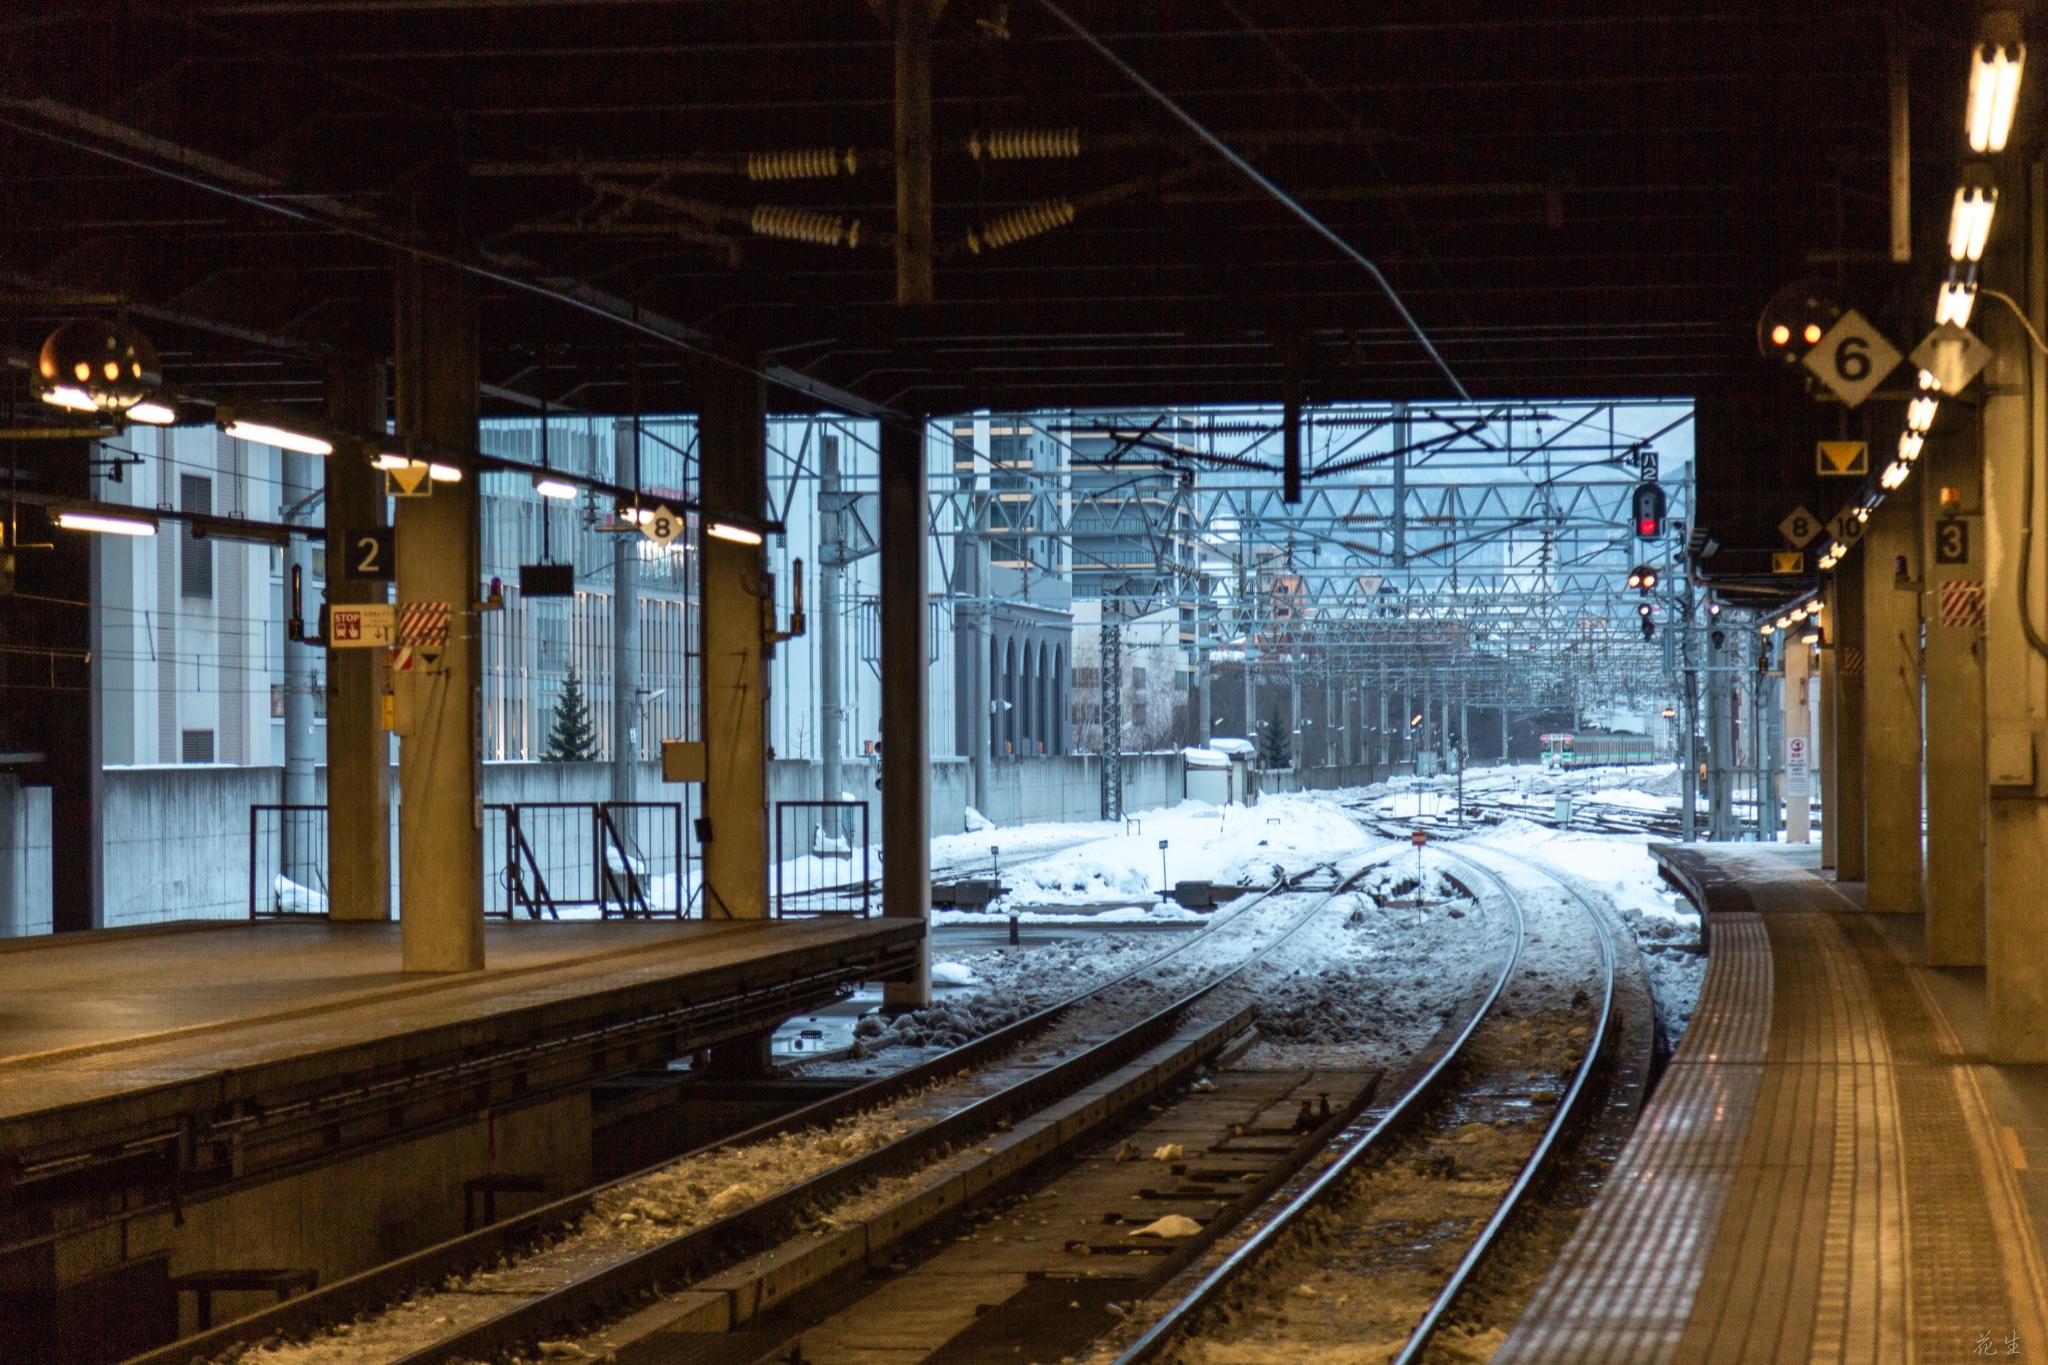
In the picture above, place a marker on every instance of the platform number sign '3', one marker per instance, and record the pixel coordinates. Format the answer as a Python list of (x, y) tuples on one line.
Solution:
[(661, 525), (1952, 541)]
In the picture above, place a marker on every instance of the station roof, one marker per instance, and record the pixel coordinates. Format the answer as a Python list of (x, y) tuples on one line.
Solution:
[(1591, 198)]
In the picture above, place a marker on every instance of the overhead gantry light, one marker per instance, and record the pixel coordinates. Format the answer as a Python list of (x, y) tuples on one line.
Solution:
[(1996, 65), (154, 413), (106, 525), (1969, 219), (112, 365), (69, 398), (550, 487), (1920, 413), (444, 473), (388, 460)]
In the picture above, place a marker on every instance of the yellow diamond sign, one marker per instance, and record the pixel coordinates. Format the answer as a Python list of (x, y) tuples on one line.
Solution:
[(1843, 457)]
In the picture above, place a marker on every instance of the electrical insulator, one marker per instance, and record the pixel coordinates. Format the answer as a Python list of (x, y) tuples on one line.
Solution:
[(1025, 144), (1008, 228), (800, 225), (806, 163)]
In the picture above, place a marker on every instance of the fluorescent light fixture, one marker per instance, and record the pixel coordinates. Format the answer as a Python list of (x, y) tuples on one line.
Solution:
[(738, 535), (1909, 445), (1953, 304), (1920, 413), (113, 526), (1969, 217), (444, 473), (553, 488), (1928, 382), (388, 460), (1996, 65), (264, 434), (156, 414), (64, 396), (636, 516), (1895, 474), (1766, 629)]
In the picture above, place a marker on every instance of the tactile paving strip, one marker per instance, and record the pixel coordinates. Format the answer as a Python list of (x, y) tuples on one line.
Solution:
[(1805, 1185)]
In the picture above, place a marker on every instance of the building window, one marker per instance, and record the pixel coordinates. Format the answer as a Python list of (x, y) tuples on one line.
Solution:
[(197, 746), (195, 556)]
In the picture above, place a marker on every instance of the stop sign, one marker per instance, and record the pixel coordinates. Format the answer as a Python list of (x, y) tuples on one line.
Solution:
[(1418, 838)]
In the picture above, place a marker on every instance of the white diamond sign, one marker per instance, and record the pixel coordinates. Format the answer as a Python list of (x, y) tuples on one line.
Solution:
[(1953, 355), (1852, 359), (661, 525)]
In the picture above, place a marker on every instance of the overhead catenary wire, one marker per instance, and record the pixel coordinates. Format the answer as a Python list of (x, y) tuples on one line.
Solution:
[(1281, 196)]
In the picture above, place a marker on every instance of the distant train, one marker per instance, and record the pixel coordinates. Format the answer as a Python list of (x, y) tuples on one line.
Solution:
[(1597, 751)]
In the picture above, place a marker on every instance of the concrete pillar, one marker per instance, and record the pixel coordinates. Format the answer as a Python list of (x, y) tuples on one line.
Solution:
[(906, 758), (1851, 665), (358, 746), (2015, 671), (1824, 738), (1952, 665), (1891, 702), (1796, 657), (732, 437), (440, 819)]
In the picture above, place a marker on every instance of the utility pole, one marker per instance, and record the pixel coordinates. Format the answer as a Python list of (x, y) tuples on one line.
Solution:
[(831, 584), (1112, 674)]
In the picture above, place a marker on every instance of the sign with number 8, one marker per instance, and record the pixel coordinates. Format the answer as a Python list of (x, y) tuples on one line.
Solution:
[(661, 525)]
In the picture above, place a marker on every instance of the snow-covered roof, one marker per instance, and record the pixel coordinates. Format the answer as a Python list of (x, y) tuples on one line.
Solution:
[(1205, 758), (1242, 748)]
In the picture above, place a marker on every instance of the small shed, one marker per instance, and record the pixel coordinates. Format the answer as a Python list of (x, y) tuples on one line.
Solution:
[(1205, 776), (1244, 784)]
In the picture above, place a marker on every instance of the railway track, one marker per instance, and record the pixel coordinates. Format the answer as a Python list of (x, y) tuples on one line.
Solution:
[(1338, 1240), (1114, 1046)]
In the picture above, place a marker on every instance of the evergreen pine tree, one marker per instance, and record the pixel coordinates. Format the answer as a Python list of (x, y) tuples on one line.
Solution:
[(570, 738), (1274, 752)]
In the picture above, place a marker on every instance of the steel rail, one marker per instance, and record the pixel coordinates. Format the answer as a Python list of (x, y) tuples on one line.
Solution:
[(1182, 1315), (1547, 1146), (379, 1286), (705, 1250)]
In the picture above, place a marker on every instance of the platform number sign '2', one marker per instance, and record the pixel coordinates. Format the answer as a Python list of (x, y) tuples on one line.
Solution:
[(370, 555)]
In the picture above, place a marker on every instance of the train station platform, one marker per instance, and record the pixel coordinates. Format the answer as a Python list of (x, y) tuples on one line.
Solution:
[(1828, 1169), (143, 1070)]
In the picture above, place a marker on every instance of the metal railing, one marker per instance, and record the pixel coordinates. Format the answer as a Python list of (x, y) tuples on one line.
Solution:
[(822, 859), (624, 859), (287, 862)]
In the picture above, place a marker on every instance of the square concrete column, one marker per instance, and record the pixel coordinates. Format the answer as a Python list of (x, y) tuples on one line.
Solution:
[(1952, 664), (737, 609), (2016, 606), (440, 814), (1846, 812), (358, 746), (1825, 734), (1891, 704), (906, 742)]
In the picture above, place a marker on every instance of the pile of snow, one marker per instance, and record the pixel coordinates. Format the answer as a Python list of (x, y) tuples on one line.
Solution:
[(977, 822), (293, 899)]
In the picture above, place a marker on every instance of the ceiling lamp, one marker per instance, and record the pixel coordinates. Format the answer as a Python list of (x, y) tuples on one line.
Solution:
[(111, 363), (550, 487), (155, 413), (1969, 218), (1920, 412), (732, 531), (264, 434), (444, 473), (1996, 65), (1953, 304), (113, 526)]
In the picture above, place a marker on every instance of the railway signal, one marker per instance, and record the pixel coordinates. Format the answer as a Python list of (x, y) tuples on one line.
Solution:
[(1649, 621), (1642, 578), (1648, 506)]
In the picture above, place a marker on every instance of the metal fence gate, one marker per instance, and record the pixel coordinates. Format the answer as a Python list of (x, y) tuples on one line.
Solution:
[(287, 862), (822, 859)]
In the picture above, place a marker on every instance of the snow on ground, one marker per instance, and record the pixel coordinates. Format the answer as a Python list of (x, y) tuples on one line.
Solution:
[(1666, 926), (1124, 873)]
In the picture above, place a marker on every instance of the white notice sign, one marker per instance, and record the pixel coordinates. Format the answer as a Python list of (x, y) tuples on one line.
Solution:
[(1795, 766), (361, 627)]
